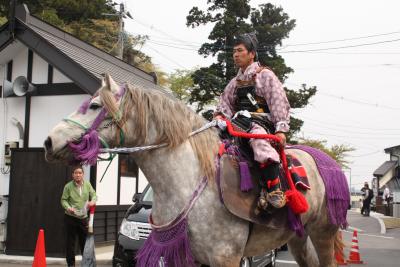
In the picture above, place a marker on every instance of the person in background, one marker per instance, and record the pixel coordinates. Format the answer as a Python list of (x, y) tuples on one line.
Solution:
[(368, 194), (77, 196), (386, 198)]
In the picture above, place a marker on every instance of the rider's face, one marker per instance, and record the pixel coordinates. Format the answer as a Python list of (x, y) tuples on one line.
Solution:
[(242, 57)]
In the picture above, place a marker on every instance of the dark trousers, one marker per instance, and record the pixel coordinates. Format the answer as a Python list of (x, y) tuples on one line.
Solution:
[(74, 228), (366, 207)]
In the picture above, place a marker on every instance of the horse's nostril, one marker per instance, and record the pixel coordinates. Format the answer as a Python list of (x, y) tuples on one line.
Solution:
[(48, 144)]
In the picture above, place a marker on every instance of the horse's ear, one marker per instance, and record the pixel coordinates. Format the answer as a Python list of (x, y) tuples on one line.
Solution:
[(109, 83)]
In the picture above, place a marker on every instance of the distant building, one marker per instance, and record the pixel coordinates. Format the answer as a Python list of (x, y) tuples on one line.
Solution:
[(389, 172)]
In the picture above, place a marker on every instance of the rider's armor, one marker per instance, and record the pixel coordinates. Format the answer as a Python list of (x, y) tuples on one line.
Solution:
[(246, 99)]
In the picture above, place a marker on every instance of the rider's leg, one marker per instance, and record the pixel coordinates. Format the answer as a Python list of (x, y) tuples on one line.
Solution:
[(271, 184), (265, 154)]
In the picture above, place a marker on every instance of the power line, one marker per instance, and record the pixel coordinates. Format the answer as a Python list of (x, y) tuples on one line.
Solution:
[(343, 40), (350, 66), (354, 132), (350, 99), (367, 154), (352, 126), (354, 53), (353, 137), (340, 47), (166, 57), (359, 102)]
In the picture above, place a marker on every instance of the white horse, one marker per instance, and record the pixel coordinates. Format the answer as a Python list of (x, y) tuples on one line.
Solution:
[(217, 237)]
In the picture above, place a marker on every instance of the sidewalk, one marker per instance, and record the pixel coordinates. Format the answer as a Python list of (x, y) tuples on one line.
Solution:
[(104, 255), (386, 222)]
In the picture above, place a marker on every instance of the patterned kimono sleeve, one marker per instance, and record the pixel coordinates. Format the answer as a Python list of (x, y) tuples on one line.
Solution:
[(226, 100), (277, 101)]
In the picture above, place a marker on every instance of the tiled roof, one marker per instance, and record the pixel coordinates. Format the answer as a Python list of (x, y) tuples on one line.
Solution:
[(91, 60), (384, 168)]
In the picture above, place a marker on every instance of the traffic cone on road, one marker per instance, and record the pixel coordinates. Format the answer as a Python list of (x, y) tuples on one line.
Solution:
[(339, 255), (354, 257), (39, 259)]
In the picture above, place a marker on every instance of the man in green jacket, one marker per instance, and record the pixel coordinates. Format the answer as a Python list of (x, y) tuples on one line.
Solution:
[(77, 196)]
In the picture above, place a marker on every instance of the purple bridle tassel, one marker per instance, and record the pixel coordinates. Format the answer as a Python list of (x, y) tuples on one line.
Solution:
[(87, 149), (246, 183)]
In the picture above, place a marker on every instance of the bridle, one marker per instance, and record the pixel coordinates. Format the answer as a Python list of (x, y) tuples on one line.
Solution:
[(87, 148)]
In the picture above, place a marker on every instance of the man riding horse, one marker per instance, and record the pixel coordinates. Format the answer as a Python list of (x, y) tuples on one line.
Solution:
[(256, 102)]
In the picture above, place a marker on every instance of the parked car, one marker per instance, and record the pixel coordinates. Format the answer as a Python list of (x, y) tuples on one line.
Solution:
[(135, 229)]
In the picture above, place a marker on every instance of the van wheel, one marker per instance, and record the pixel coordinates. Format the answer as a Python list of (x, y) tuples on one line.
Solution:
[(273, 259), (245, 262)]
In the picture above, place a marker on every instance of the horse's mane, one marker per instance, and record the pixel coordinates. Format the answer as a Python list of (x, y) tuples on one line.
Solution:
[(173, 120)]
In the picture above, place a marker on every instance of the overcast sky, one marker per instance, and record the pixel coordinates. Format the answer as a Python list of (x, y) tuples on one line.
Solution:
[(358, 87)]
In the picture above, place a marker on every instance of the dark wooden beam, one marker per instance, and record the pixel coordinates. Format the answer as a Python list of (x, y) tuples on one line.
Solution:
[(9, 70), (56, 89), (50, 73)]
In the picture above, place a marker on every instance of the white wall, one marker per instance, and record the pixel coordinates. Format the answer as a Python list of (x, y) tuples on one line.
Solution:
[(142, 181), (58, 77), (39, 70), (20, 64), (107, 189), (127, 190), (47, 111), (9, 107)]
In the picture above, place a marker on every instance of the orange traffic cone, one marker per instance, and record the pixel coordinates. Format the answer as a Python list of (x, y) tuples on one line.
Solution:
[(339, 255), (354, 257), (39, 260)]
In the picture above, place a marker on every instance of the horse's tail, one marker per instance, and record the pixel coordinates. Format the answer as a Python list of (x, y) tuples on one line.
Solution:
[(339, 244)]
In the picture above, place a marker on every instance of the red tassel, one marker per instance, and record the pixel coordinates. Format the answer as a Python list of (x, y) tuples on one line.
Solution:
[(296, 201)]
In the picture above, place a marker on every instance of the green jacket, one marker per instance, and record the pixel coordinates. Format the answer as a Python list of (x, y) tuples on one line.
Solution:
[(72, 198)]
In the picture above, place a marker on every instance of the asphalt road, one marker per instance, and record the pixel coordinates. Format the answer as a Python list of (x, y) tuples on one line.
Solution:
[(376, 250)]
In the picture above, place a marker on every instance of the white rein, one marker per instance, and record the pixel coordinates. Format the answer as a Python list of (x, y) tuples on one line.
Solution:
[(221, 124)]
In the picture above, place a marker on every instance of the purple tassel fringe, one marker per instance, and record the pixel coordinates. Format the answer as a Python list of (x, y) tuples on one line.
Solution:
[(246, 184), (87, 149), (336, 187), (172, 245)]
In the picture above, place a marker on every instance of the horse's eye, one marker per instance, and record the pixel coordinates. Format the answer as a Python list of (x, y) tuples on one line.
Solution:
[(94, 106)]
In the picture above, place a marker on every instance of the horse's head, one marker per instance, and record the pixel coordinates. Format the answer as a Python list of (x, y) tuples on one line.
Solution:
[(78, 137)]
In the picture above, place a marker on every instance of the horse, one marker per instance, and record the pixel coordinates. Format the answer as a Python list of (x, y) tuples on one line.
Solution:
[(217, 237)]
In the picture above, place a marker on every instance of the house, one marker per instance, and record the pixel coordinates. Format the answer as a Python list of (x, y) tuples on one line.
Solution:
[(64, 71), (388, 174)]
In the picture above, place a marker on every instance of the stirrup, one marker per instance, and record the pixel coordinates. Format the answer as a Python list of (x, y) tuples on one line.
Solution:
[(276, 198), (262, 203)]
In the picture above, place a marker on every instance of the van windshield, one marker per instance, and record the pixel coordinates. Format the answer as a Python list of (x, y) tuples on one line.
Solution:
[(148, 195)]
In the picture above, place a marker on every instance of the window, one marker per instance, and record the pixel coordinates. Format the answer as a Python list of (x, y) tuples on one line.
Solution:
[(128, 166)]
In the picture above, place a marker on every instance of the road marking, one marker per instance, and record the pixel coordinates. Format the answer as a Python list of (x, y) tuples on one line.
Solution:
[(355, 228), (387, 237), (288, 262)]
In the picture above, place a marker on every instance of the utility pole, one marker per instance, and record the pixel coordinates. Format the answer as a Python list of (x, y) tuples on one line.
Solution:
[(121, 15)]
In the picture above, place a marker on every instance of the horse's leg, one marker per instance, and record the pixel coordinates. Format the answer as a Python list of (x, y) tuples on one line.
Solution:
[(224, 261), (302, 251), (324, 244)]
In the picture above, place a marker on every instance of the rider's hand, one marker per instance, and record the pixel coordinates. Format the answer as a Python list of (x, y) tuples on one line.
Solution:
[(282, 136), (219, 117)]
